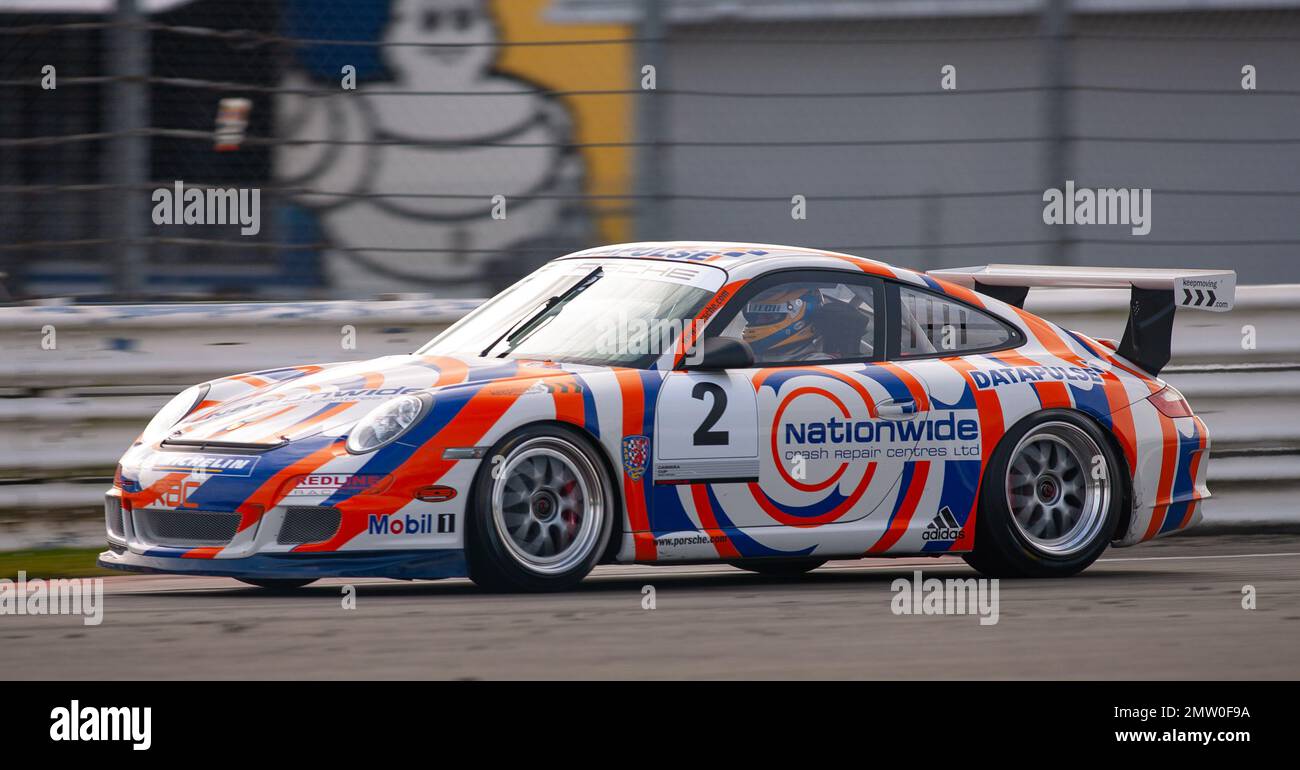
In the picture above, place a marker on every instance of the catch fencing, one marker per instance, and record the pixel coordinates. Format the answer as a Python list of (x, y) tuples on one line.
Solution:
[(922, 133)]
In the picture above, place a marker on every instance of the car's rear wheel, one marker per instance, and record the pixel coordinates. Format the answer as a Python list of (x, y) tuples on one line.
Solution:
[(1050, 499), (779, 567), (278, 584), (541, 514)]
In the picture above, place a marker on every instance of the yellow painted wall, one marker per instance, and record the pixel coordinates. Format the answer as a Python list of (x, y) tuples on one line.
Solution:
[(600, 118)]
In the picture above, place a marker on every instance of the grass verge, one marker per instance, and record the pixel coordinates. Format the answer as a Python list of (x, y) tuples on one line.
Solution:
[(52, 563)]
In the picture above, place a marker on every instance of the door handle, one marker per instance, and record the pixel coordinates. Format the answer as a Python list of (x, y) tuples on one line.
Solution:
[(902, 408)]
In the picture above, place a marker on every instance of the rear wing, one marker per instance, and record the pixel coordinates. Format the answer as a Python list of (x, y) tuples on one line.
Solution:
[(1155, 294)]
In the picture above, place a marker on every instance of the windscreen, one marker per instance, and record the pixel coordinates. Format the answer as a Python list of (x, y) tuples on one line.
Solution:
[(604, 313)]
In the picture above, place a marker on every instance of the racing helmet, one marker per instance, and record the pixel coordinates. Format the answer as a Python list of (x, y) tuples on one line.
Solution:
[(779, 326)]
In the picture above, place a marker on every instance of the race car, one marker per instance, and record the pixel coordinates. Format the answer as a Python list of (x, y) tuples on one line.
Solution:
[(768, 407)]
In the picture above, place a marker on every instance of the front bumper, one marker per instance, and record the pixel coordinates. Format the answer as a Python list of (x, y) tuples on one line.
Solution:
[(260, 551), (282, 518)]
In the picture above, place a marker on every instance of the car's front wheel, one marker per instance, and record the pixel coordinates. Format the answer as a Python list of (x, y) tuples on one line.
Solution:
[(541, 513), (1050, 499)]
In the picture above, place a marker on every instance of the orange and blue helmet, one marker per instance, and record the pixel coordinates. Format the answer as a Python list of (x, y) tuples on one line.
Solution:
[(779, 325)]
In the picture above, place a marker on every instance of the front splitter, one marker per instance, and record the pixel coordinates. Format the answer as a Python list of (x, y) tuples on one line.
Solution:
[(401, 565)]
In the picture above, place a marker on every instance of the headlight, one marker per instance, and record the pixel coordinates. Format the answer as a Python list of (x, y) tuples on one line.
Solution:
[(385, 424), (181, 404)]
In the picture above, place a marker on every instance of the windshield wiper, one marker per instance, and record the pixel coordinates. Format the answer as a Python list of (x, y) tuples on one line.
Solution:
[(518, 327)]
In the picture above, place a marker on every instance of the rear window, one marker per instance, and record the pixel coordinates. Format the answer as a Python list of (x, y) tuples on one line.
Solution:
[(931, 324)]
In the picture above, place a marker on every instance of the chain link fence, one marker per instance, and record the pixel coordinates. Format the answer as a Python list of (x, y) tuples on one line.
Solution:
[(449, 146)]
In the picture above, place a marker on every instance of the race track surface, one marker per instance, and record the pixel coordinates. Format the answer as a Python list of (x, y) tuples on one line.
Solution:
[(1169, 610)]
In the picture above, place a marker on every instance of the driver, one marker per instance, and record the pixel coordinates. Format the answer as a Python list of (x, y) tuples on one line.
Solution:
[(779, 326)]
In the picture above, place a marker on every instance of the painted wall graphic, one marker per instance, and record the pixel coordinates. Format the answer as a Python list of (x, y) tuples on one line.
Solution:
[(398, 133)]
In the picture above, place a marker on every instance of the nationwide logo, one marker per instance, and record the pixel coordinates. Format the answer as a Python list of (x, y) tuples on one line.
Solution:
[(424, 524), (834, 431), (944, 527)]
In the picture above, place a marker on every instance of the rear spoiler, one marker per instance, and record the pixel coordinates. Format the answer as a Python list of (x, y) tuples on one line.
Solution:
[(1155, 293)]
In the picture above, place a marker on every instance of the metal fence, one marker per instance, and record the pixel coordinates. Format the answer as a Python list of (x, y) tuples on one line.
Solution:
[(484, 137)]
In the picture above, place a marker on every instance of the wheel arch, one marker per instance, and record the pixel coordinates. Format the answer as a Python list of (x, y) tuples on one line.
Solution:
[(1000, 551), (1126, 478), (600, 452)]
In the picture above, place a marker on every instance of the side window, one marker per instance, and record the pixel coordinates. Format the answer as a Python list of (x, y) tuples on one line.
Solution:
[(802, 321), (930, 324)]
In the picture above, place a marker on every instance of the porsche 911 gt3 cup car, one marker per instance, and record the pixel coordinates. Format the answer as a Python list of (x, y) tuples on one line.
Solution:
[(765, 406)]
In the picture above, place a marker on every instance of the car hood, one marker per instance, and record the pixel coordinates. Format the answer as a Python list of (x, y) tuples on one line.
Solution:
[(278, 407)]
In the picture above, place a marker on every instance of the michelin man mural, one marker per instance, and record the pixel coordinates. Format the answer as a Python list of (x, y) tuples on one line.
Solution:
[(389, 137)]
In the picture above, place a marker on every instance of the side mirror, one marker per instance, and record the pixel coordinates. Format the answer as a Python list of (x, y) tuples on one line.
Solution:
[(716, 353)]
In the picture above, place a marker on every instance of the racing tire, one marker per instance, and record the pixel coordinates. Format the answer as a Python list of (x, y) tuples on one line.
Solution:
[(278, 584), (779, 567), (1047, 507), (540, 517)]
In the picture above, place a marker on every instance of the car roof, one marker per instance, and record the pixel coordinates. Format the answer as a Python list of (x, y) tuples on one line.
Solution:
[(745, 261), (724, 254)]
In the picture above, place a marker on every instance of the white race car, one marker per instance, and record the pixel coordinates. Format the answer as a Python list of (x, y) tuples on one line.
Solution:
[(764, 406)]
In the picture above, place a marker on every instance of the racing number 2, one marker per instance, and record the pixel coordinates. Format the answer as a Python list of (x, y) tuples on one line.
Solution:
[(705, 435), (706, 428)]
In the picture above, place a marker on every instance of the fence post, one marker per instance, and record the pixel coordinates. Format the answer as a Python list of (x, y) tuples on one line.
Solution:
[(650, 219), (1056, 32), (127, 117)]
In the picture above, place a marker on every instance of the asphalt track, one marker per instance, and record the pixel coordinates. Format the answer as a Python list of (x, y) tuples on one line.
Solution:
[(1168, 610)]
